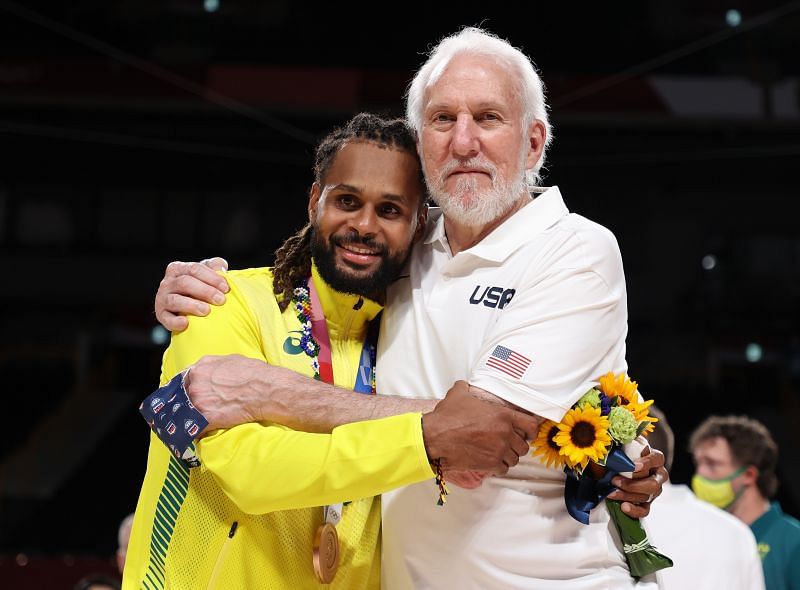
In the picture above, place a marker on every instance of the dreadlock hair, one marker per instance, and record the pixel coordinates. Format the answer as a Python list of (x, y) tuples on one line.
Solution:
[(293, 258)]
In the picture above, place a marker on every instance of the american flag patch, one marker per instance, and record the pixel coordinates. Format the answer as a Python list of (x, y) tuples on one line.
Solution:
[(507, 361)]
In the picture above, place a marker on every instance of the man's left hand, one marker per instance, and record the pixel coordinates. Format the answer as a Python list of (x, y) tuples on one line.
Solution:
[(638, 492)]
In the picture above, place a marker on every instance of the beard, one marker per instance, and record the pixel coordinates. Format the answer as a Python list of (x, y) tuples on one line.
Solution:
[(347, 279), (469, 205)]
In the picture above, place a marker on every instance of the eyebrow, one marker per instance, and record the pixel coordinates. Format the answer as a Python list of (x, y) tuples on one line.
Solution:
[(354, 189), (480, 106)]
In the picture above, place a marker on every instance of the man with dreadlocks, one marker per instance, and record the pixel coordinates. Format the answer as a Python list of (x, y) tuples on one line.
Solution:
[(270, 507)]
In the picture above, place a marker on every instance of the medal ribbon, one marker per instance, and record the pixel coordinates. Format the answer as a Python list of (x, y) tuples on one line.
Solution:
[(365, 376), (319, 330)]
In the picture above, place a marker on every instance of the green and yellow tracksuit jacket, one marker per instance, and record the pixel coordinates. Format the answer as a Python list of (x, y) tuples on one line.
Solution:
[(247, 516)]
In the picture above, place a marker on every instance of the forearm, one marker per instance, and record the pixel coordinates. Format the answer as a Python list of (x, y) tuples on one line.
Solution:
[(488, 396), (285, 397)]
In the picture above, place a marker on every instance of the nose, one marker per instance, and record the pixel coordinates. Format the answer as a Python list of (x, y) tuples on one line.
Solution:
[(365, 221), (465, 137)]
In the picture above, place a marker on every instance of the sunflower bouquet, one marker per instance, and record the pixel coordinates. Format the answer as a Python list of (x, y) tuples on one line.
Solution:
[(596, 440)]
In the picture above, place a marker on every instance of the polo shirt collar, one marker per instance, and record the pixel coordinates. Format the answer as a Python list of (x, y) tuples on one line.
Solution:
[(763, 523), (339, 308), (544, 210)]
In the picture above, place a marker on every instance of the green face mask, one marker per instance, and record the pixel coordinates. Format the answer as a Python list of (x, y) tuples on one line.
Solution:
[(718, 492)]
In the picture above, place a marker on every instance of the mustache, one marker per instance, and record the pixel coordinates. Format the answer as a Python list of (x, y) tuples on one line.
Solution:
[(477, 163), (355, 239)]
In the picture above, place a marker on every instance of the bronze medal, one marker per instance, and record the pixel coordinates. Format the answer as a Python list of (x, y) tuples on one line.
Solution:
[(326, 553)]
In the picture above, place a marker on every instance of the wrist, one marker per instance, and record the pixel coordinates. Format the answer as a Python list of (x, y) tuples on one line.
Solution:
[(264, 403), (428, 421)]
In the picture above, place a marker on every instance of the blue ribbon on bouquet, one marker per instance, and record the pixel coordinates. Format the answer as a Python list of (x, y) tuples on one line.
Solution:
[(582, 493)]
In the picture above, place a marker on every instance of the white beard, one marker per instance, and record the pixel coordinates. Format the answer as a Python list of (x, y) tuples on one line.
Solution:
[(467, 205)]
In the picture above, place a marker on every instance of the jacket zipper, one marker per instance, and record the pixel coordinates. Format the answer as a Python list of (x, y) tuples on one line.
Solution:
[(223, 552)]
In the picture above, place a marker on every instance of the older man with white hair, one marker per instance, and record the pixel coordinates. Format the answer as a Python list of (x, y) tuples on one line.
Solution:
[(527, 299)]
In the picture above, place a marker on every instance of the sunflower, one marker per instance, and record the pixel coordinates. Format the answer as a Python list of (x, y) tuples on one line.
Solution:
[(640, 412), (619, 385), (583, 435), (545, 447)]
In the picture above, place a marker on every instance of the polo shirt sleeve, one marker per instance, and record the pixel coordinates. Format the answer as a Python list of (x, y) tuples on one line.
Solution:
[(564, 329), (264, 467)]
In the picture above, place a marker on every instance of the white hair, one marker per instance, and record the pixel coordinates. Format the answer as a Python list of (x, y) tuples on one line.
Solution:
[(476, 41)]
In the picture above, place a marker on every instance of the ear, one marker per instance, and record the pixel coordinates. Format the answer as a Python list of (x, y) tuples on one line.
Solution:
[(313, 201), (537, 133), (750, 475), (422, 220)]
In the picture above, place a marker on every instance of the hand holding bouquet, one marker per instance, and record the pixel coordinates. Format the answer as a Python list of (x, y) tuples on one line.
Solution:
[(595, 441)]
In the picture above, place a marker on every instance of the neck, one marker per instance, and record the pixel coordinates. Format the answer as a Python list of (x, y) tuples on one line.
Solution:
[(379, 297), (750, 507), (462, 237)]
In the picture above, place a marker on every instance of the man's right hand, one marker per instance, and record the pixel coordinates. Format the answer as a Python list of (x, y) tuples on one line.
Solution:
[(188, 288), (465, 432), (225, 389)]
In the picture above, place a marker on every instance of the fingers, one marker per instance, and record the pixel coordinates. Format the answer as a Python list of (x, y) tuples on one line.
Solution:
[(651, 461), (216, 263), (629, 496), (528, 425), (634, 504), (172, 322), (175, 303), (637, 495), (517, 447), (187, 288), (198, 270), (636, 510), (187, 294), (637, 490), (169, 306), (519, 444)]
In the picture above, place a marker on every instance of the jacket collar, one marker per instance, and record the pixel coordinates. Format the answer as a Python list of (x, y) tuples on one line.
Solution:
[(342, 312)]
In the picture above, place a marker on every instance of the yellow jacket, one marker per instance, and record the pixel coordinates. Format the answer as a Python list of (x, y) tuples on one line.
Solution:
[(246, 518)]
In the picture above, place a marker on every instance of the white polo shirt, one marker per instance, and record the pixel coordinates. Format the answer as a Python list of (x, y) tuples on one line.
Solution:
[(535, 313), (711, 548)]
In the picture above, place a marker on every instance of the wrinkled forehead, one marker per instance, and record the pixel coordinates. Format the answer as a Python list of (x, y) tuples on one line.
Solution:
[(480, 66), (476, 82)]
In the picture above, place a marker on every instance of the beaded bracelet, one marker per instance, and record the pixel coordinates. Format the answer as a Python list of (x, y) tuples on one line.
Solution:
[(440, 482)]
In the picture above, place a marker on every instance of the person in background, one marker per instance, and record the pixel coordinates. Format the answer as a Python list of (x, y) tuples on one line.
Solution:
[(123, 536), (735, 461), (97, 582), (710, 548)]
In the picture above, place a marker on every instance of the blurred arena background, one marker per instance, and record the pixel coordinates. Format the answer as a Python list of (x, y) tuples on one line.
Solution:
[(134, 133)]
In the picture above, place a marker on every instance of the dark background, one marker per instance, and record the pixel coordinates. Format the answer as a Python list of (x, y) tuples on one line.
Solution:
[(136, 132)]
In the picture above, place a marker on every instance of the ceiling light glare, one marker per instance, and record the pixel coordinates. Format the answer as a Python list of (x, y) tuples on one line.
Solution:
[(733, 18)]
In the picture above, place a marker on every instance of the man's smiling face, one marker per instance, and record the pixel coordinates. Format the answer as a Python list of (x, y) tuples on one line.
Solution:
[(365, 217)]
